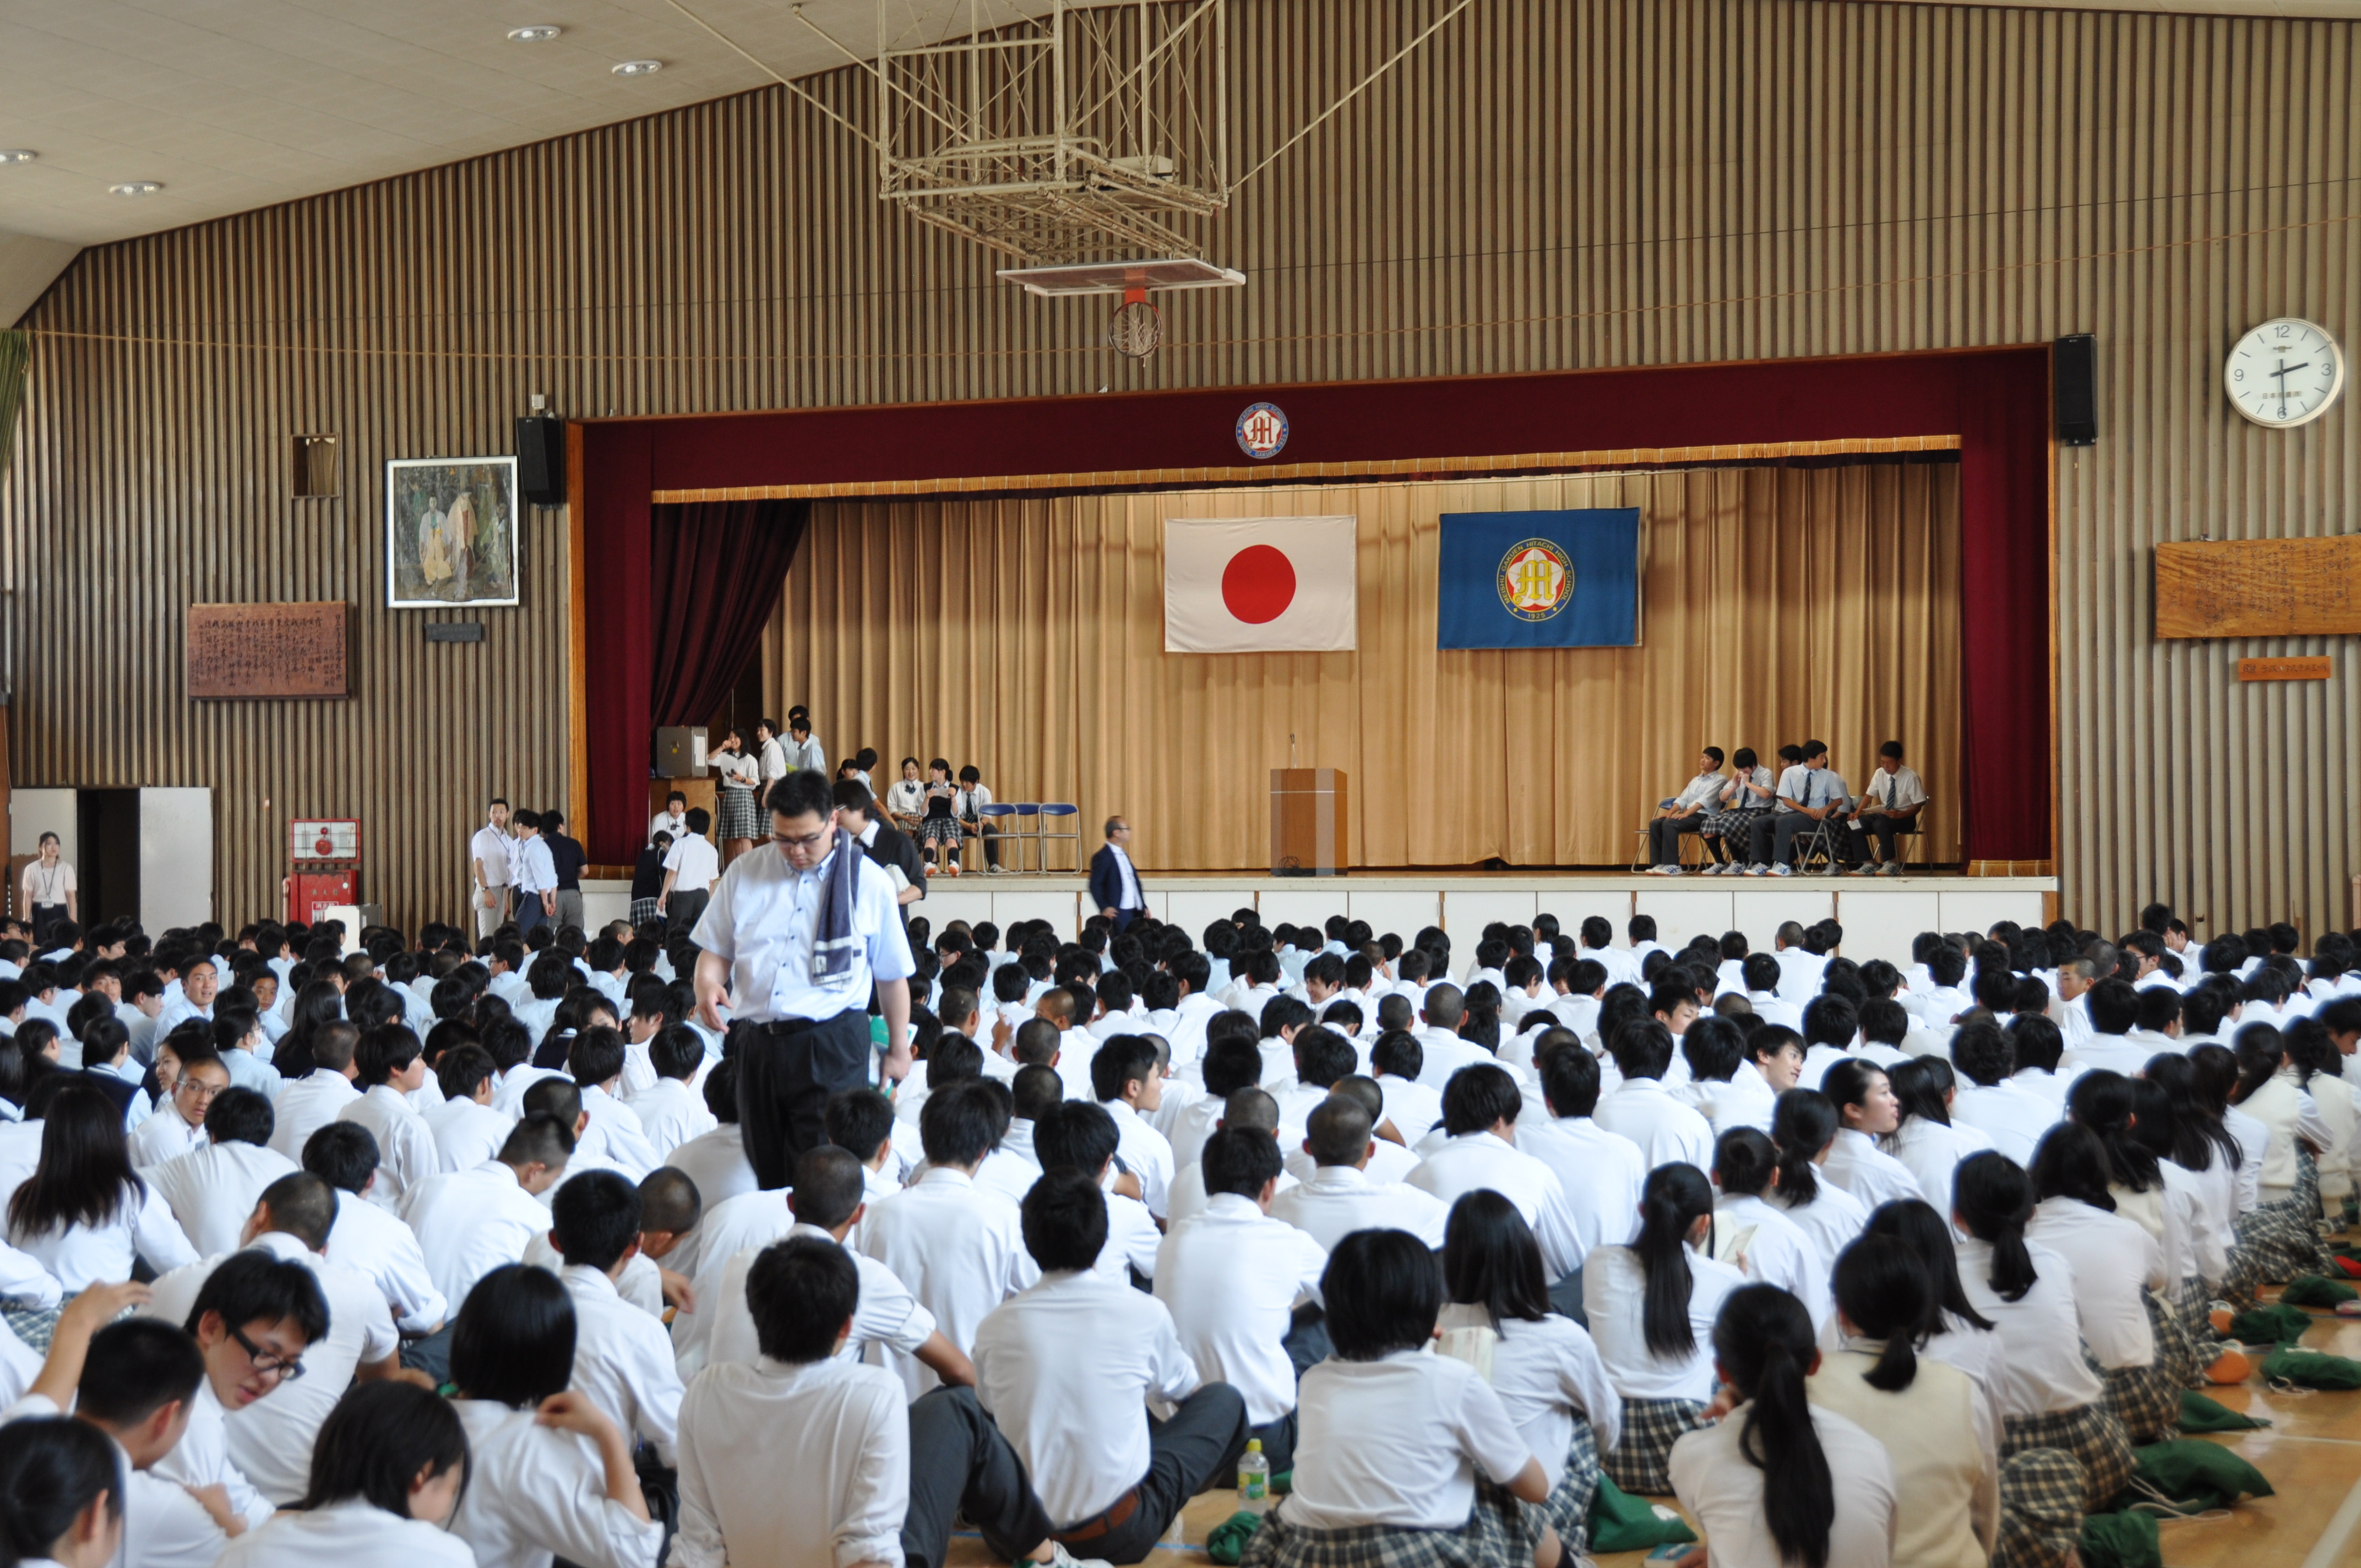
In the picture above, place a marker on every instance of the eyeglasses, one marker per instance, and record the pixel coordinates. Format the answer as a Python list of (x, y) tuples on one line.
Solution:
[(288, 1367), (201, 1092), (807, 841)]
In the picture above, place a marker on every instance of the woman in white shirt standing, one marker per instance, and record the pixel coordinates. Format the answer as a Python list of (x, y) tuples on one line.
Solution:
[(390, 1466), (1393, 1439), (553, 1472), (83, 1214), (1777, 1482), (741, 823), (1651, 1307), (2049, 1396), (60, 1493), (1544, 1366), (2112, 1264), (1804, 1126), (1866, 1112)]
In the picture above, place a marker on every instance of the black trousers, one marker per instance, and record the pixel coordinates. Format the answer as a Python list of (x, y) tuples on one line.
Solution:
[(1665, 839), (681, 910), (1880, 827), (786, 1073), (1198, 1448), (960, 1463), (1775, 839)]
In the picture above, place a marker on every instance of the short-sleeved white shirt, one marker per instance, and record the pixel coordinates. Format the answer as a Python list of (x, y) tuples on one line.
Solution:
[(763, 920), (1397, 1442)]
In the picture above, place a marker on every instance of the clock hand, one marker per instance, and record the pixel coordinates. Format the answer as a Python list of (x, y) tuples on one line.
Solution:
[(2291, 369)]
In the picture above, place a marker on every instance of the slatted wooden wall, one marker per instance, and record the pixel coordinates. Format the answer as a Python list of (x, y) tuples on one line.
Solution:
[(1548, 183)]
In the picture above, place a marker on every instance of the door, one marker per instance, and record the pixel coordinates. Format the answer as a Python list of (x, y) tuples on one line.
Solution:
[(176, 858)]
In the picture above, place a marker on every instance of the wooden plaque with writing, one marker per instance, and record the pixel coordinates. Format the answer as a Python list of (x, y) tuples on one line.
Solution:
[(2284, 669), (267, 650), (2259, 587)]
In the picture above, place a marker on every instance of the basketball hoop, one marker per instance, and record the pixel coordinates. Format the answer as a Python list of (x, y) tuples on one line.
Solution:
[(1137, 327)]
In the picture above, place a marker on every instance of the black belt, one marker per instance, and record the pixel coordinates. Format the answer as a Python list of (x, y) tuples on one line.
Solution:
[(784, 1027)]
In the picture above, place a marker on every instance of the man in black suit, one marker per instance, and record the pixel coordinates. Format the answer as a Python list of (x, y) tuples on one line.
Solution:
[(892, 850), (1115, 880)]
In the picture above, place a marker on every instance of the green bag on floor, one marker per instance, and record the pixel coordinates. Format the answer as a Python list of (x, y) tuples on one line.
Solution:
[(2196, 1474), (2312, 1369), (2199, 1413), (2121, 1540), (1622, 1522), (1227, 1541), (2316, 1291), (2270, 1325)]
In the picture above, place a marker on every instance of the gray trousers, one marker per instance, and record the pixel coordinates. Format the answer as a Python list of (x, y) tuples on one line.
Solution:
[(488, 920), (569, 907)]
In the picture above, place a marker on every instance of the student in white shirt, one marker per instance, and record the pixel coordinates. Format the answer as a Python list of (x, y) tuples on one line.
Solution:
[(1778, 1480), (1340, 1196), (671, 1111), (84, 1214), (1866, 1112), (622, 1356), (1394, 1437), (61, 1488), (1724, 1086), (2114, 1267), (311, 1102), (370, 1239), (387, 1069), (1643, 1109), (596, 1060), (1758, 1239), (471, 1222), (1545, 1368), (1804, 1126), (691, 865), (2048, 1394), (957, 1245), (179, 1126), (211, 1190), (1651, 1307), (1128, 1080), (253, 1317), (1066, 1369), (1480, 1110), (1685, 813), (1233, 1279), (1929, 1143), (550, 1473), (1600, 1172), (384, 1480), (465, 1128)]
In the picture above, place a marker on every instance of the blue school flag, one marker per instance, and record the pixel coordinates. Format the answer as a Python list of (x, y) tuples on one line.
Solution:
[(1539, 579)]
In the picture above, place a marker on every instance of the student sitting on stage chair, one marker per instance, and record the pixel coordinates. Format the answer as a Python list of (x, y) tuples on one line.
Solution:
[(1808, 792), (1685, 813), (1891, 806)]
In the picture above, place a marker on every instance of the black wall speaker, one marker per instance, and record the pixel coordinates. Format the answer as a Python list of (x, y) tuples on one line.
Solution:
[(2074, 389), (541, 461)]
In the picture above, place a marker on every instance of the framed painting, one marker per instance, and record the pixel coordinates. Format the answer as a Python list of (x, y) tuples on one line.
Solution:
[(450, 531)]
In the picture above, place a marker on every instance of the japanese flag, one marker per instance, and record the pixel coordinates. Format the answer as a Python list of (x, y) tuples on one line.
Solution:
[(1261, 585)]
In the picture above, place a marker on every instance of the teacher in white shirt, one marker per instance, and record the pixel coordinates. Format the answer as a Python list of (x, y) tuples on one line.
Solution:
[(1115, 880), (491, 860)]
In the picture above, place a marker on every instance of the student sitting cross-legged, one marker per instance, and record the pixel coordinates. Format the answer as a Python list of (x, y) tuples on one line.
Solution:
[(1404, 1456)]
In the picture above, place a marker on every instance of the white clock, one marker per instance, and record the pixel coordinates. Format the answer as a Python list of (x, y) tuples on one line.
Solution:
[(2284, 373)]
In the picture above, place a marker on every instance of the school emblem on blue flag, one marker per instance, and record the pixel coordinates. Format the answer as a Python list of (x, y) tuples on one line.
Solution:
[(1539, 579)]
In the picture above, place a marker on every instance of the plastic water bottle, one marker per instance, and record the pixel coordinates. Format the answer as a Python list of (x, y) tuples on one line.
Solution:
[(1254, 1476)]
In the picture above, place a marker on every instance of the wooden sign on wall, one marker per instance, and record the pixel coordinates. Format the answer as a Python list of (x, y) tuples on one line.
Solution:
[(2315, 669), (2259, 587), (267, 650)]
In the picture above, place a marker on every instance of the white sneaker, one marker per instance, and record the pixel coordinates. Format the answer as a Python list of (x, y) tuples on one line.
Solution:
[(1675, 870), (1758, 870), (1783, 868), (1061, 1558)]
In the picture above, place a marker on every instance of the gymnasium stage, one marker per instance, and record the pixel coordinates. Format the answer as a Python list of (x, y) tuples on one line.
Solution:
[(1880, 914)]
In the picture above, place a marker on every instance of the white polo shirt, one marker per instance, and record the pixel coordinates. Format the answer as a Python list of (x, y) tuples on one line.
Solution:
[(1396, 1442), (763, 919), (1232, 1277)]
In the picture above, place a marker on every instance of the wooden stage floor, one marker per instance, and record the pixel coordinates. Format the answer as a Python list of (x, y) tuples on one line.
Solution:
[(2310, 1453)]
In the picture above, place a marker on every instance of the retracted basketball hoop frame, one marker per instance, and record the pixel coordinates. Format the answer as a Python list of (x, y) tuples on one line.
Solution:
[(1137, 326)]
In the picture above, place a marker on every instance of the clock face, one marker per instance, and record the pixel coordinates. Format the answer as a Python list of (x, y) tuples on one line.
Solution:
[(2284, 373)]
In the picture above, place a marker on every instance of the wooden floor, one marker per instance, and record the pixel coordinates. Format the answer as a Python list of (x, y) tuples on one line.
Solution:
[(2311, 1452)]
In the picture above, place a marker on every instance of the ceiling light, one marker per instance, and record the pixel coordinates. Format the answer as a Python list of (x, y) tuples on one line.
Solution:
[(638, 68), (135, 188), (539, 33), (17, 155)]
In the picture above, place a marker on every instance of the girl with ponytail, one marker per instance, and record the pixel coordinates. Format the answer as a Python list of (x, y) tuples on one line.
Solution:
[(1867, 1111), (2048, 1394), (1651, 1307), (1803, 1125), (2202, 1258), (1931, 1418), (2112, 1265), (1954, 1334), (1808, 1483), (60, 1493), (1929, 1143), (2281, 1233), (1760, 1239)]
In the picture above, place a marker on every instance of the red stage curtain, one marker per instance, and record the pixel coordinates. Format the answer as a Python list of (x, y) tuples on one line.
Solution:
[(714, 570)]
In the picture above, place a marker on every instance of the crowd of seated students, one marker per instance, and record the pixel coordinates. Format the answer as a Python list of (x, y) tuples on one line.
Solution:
[(446, 1251)]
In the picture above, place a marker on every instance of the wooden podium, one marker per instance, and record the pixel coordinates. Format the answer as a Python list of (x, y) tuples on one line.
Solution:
[(1307, 822)]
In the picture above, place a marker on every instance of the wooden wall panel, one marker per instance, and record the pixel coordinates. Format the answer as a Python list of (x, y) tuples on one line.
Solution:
[(1547, 184), (2259, 587)]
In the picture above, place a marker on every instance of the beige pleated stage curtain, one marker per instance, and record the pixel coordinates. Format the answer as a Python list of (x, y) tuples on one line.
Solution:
[(1026, 636)]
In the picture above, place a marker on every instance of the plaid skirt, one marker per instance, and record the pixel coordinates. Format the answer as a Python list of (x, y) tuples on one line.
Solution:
[(941, 830), (739, 817), (1642, 1462), (2173, 1321), (2041, 1492), (1500, 1532), (643, 911), (35, 1325), (2144, 1400), (1567, 1507), (1734, 823), (2091, 1433), (2281, 1239)]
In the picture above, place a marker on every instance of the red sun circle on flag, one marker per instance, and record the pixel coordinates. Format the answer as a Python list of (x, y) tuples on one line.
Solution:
[(1258, 584)]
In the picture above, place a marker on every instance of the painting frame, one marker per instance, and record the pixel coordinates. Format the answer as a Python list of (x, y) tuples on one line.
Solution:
[(427, 566)]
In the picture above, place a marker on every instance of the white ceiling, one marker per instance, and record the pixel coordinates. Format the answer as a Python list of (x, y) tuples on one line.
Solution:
[(235, 104)]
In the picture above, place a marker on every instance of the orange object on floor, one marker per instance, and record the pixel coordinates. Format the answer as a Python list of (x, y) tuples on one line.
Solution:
[(2229, 1367), (2220, 1318)]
